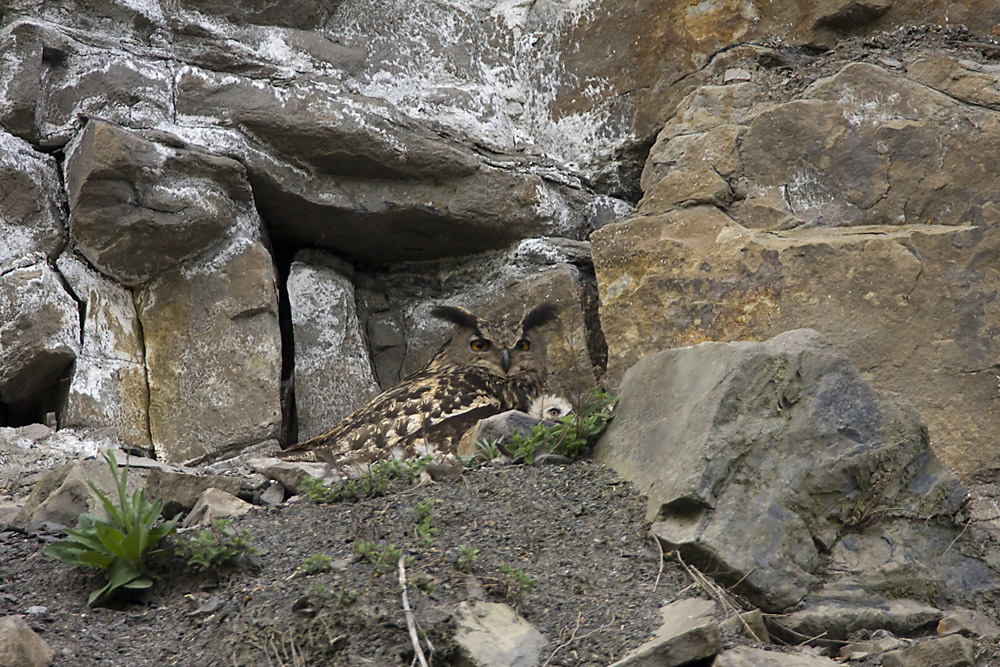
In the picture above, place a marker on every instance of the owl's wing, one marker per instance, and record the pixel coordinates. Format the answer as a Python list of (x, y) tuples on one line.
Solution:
[(425, 414)]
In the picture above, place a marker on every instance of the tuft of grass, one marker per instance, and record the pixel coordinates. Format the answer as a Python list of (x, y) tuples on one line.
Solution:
[(489, 449), (120, 544), (214, 548)]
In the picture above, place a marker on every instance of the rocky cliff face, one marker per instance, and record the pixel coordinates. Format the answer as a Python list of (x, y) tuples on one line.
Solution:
[(224, 223)]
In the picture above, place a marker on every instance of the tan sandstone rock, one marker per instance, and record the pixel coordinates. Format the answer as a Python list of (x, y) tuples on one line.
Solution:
[(867, 210), (213, 354)]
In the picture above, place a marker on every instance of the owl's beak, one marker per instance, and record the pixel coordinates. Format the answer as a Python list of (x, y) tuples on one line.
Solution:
[(505, 360)]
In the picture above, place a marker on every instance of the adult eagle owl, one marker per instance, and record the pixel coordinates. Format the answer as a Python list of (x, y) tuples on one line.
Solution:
[(487, 367)]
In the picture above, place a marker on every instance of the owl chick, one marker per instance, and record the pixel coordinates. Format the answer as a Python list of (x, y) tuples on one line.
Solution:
[(487, 367), (550, 407)]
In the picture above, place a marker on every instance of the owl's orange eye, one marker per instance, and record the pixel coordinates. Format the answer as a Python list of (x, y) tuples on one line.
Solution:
[(479, 345), (524, 345)]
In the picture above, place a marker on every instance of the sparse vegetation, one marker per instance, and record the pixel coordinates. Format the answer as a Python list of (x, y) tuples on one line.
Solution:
[(122, 543), (424, 525), (381, 557), (489, 449), (516, 583), (372, 484), (316, 564), (572, 437), (214, 548), (467, 558)]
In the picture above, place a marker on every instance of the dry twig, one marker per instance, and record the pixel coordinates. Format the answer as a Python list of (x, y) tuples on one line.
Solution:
[(566, 643), (411, 623), (715, 591), (660, 573)]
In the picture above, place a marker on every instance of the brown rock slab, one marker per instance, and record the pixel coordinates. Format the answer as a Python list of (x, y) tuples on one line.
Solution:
[(20, 646), (968, 622), (180, 491), (139, 207), (689, 632), (950, 651), (213, 354), (834, 190), (215, 504)]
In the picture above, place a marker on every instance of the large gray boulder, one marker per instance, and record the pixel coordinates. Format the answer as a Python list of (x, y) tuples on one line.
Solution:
[(31, 219), (333, 373), (765, 462), (39, 330)]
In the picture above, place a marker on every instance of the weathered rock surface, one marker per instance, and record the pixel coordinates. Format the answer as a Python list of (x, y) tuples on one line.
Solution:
[(881, 642), (31, 219), (491, 634), (212, 504), (63, 494), (853, 207), (182, 491), (766, 461), (689, 632), (836, 620), (951, 651), (140, 207), (108, 387), (39, 334), (754, 657), (333, 373), (20, 646), (213, 354), (968, 622)]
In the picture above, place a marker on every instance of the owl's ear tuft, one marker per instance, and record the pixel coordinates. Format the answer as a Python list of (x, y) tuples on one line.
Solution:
[(539, 315), (456, 315)]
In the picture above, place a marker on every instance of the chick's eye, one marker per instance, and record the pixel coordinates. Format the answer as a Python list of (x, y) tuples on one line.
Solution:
[(524, 345), (479, 345)]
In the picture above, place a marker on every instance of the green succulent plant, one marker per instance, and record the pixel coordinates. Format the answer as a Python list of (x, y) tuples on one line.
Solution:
[(119, 544)]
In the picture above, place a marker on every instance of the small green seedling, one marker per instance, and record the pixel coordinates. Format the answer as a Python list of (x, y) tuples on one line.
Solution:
[(467, 558), (214, 548), (316, 564)]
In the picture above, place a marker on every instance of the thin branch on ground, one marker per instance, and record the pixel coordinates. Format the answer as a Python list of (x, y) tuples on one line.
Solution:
[(957, 537), (714, 590), (660, 573), (411, 623), (566, 643)]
